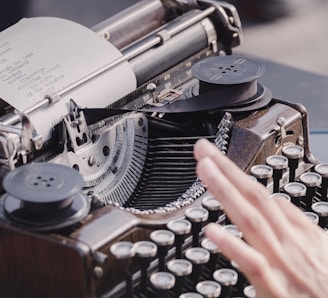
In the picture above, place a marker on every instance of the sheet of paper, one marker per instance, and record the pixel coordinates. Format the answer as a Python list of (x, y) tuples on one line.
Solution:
[(45, 55)]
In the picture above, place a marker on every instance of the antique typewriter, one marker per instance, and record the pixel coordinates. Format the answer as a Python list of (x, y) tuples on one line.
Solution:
[(105, 201)]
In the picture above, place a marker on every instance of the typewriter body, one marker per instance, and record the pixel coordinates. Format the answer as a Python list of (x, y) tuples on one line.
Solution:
[(135, 157)]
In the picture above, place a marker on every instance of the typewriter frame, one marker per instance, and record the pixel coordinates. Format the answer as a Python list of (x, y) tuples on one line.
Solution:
[(77, 262)]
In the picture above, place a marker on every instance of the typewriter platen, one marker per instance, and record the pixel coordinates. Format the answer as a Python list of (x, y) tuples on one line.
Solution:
[(109, 205)]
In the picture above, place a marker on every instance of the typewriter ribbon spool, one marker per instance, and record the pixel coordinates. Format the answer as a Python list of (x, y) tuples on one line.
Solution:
[(44, 196), (227, 83)]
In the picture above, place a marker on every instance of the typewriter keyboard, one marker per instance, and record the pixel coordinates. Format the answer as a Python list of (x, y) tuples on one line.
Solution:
[(178, 261)]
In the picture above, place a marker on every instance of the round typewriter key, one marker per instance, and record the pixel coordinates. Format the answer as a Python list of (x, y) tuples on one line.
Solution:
[(213, 206), (250, 292), (296, 191), (209, 245), (322, 169), (145, 251), (164, 239), (233, 229), (162, 282), (321, 208), (208, 288), (198, 256), (181, 228), (293, 153), (311, 180), (313, 217), (197, 216), (227, 278), (278, 164), (180, 268), (214, 253), (281, 195), (122, 250), (262, 173)]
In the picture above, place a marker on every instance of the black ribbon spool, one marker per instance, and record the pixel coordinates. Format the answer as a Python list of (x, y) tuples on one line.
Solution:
[(44, 196), (233, 78)]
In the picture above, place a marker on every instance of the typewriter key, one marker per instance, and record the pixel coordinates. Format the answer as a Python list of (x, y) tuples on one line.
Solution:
[(162, 282), (322, 169), (180, 268), (213, 206), (124, 251), (311, 180), (181, 228), (44, 196), (214, 253), (227, 278), (278, 163), (250, 292), (197, 217), (296, 191), (293, 153), (145, 251), (198, 256), (164, 239), (321, 208), (262, 173), (313, 217), (233, 229), (281, 195), (208, 288)]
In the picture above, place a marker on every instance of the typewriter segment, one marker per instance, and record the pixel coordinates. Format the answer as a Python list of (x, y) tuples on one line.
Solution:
[(110, 205)]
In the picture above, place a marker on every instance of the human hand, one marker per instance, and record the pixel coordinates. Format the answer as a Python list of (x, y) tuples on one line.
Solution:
[(284, 253)]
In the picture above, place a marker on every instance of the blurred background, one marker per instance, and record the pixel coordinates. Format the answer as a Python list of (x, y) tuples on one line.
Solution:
[(290, 36)]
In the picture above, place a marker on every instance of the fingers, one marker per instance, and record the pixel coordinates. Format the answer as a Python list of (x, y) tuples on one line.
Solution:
[(204, 148), (249, 261), (250, 193), (254, 226), (297, 217)]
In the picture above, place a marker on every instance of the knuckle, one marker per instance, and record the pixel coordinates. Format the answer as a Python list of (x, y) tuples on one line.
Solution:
[(251, 223), (257, 270)]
